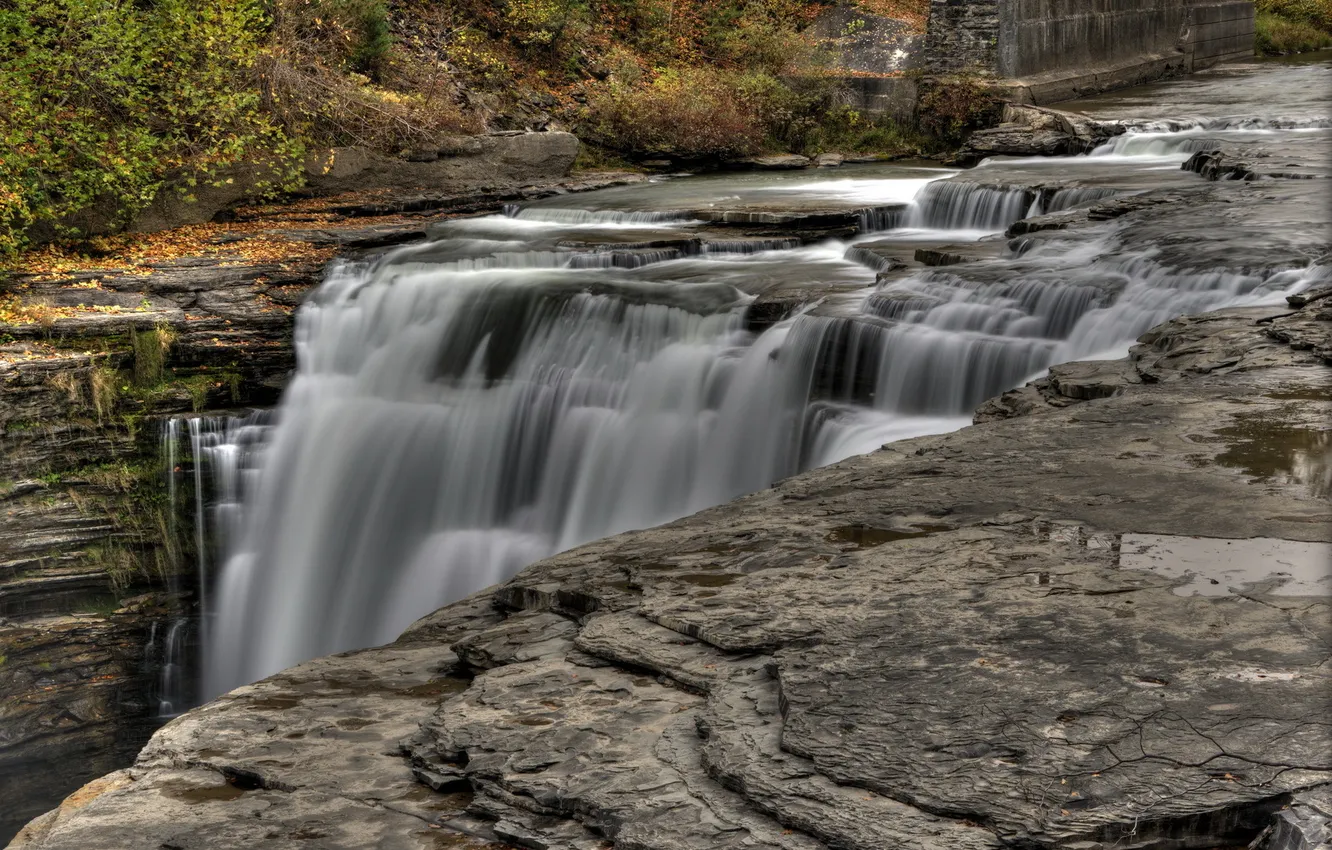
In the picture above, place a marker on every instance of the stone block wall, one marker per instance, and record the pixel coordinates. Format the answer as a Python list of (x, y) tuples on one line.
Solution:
[(962, 35)]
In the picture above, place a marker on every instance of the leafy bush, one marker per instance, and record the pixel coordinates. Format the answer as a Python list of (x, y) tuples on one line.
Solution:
[(703, 113), (1275, 35), (845, 129), (107, 98)]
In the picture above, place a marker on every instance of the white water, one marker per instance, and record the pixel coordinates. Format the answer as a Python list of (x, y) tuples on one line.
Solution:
[(465, 407)]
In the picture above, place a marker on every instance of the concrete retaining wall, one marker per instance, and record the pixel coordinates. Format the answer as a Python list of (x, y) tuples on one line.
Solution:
[(1219, 32), (1039, 36), (893, 97), (1053, 50)]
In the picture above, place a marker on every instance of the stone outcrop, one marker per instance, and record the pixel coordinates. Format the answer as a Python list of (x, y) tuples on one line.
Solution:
[(955, 642), (1036, 131), (1215, 165), (509, 159)]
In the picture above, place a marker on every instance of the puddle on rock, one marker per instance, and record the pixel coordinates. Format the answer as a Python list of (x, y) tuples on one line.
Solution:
[(1212, 566), (535, 720), (223, 793), (1276, 450), (1303, 394), (435, 687), (707, 579), (867, 536)]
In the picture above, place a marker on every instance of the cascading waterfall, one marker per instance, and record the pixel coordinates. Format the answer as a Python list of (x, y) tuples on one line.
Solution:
[(172, 694), (950, 205), (511, 389), (219, 451)]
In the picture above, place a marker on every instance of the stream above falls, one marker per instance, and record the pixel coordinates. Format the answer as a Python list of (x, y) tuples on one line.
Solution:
[(524, 382)]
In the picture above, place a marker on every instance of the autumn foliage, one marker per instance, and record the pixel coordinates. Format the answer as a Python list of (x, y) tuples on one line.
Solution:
[(111, 103), (105, 99)]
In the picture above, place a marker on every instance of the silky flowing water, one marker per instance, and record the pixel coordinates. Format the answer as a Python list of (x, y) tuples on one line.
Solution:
[(525, 382)]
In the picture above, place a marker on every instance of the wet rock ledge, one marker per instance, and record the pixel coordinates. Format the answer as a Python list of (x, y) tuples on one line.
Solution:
[(1098, 619)]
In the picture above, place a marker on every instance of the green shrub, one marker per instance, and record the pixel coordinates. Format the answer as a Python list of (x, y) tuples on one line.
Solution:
[(108, 98), (847, 130), (1276, 35), (370, 48)]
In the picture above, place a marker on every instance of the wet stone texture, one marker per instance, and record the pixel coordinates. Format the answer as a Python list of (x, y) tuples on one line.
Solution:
[(993, 638)]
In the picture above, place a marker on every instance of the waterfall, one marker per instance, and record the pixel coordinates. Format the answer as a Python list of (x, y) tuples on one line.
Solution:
[(529, 381), (447, 427), (221, 455), (173, 681), (1058, 200), (958, 205)]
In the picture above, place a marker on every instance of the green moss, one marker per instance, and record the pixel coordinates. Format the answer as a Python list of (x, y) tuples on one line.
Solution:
[(233, 380), (197, 386), (121, 476), (105, 386), (103, 606), (131, 422), (150, 352), (122, 565)]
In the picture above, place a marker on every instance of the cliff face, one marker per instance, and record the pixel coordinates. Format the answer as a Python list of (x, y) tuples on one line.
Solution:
[(90, 578), (1097, 619)]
